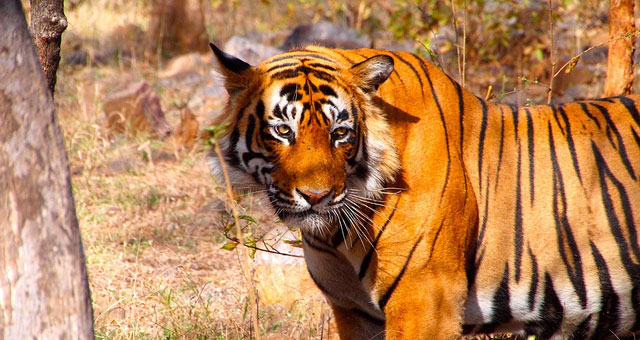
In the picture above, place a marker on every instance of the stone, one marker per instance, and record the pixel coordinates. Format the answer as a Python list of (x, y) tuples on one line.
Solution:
[(326, 34), (135, 107), (250, 51), (185, 64)]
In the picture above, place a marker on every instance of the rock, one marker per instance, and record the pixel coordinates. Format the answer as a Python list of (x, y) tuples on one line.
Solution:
[(135, 106), (209, 98), (184, 64), (326, 34), (187, 132), (248, 50)]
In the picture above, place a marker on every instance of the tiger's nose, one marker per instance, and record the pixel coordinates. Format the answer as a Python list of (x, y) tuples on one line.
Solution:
[(313, 196)]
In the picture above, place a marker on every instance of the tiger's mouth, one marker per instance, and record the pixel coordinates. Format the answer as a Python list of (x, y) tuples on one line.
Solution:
[(297, 211)]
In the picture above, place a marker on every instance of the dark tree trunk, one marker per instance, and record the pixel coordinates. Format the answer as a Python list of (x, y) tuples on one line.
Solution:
[(44, 292), (621, 47), (47, 24)]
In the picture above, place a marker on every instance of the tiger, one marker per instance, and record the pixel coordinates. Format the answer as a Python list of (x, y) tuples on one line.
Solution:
[(427, 212)]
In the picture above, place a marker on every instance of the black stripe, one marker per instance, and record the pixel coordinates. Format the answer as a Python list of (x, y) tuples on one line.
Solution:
[(555, 116), (367, 258), (327, 90), (385, 297), (635, 136), (250, 154), (460, 112), (286, 74), (317, 244), (614, 222), (500, 149), (620, 145), (586, 111), (582, 330), (483, 228), (500, 309), (551, 313), (572, 261), (290, 91), (570, 143), (518, 235), (413, 69), (630, 105), (300, 55), (533, 288), (444, 123), (608, 100), (608, 318), (273, 68), (322, 66), (532, 158), (635, 301), (481, 140)]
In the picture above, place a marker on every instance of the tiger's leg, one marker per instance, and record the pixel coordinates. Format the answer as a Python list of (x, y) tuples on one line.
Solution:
[(354, 325), (427, 307)]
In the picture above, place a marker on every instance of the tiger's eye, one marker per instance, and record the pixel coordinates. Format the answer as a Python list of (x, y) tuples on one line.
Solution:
[(283, 130), (340, 132)]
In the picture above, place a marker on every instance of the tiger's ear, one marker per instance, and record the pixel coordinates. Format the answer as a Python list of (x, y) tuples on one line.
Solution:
[(372, 72), (237, 73)]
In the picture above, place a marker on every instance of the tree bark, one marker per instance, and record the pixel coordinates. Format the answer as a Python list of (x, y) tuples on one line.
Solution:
[(47, 24), (621, 48), (44, 292)]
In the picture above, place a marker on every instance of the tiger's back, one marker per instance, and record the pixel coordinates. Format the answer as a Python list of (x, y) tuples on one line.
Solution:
[(427, 212)]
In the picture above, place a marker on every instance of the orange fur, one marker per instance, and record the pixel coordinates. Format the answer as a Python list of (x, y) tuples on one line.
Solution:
[(467, 213)]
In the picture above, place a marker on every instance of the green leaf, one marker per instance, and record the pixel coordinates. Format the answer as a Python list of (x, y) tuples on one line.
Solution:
[(539, 54), (248, 218), (230, 246)]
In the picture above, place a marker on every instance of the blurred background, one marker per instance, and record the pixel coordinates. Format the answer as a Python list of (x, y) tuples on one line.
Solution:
[(136, 93)]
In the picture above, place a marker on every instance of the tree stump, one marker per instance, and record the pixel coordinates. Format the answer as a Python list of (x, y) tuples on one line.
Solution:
[(44, 291)]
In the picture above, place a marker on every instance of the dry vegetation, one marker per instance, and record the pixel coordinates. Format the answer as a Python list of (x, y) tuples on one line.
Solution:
[(151, 216)]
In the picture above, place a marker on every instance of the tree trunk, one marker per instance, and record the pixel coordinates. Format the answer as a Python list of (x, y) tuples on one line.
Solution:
[(47, 24), (621, 47), (44, 292), (177, 26)]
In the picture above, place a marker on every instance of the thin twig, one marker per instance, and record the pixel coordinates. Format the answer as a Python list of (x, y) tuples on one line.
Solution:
[(464, 44), (266, 249), (245, 257), (457, 43), (578, 56), (552, 54)]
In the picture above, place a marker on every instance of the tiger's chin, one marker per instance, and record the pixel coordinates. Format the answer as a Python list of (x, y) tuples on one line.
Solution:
[(307, 220)]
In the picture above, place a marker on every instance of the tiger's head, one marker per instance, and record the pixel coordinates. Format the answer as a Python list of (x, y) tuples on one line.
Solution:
[(304, 127)]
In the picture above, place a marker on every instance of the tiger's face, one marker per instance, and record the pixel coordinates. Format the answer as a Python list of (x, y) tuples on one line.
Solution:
[(304, 130)]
